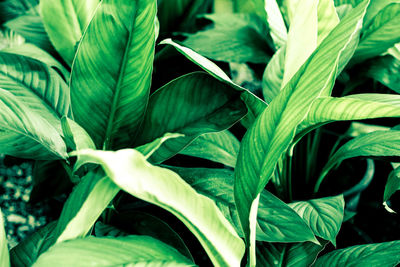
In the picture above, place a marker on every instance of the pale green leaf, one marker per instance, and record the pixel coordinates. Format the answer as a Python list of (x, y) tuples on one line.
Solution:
[(4, 255), (201, 104), (395, 51), (375, 144), (27, 251), (236, 38), (392, 184), (277, 222), (106, 251), (221, 147), (148, 149), (112, 71), (25, 133), (9, 38), (273, 131), (323, 215), (250, 6), (381, 34), (130, 170), (76, 134), (289, 255), (276, 23), (65, 21), (327, 18), (380, 254)]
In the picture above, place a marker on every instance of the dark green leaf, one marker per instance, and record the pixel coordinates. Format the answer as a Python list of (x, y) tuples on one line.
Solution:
[(386, 70), (380, 254), (392, 184), (4, 255), (111, 74)]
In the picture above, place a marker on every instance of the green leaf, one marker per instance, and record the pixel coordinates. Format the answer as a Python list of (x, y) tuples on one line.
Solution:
[(381, 34), (253, 103), (380, 254), (250, 6), (276, 23), (141, 223), (236, 38), (4, 255), (273, 75), (130, 170), (10, 9), (65, 22), (386, 70), (375, 144), (30, 26), (277, 222), (327, 18), (121, 251), (201, 104), (299, 254), (221, 147), (148, 149), (77, 136), (392, 184), (323, 215), (273, 131), (25, 133), (112, 71), (83, 207), (27, 251)]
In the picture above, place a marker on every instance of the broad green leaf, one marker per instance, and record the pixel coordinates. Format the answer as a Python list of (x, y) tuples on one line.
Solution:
[(30, 26), (30, 50), (236, 38), (27, 251), (201, 104), (380, 254), (180, 15), (273, 75), (37, 85), (142, 223), (375, 144), (83, 207), (323, 215), (392, 184), (4, 255), (276, 23), (250, 6), (65, 21), (381, 34), (78, 137), (327, 18), (221, 147), (273, 131), (254, 104), (130, 171), (25, 133), (112, 71), (352, 107), (106, 251), (374, 8), (386, 70), (10, 9), (298, 254), (277, 222)]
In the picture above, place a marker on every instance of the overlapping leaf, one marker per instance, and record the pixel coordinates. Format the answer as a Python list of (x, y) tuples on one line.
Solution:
[(65, 22), (324, 215), (221, 147), (130, 170), (386, 70), (111, 74), (4, 255), (271, 134), (276, 23), (392, 184), (200, 104), (120, 251)]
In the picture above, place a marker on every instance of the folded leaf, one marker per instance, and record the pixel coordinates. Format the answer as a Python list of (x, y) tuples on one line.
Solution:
[(111, 74), (221, 147), (65, 22), (272, 80), (323, 215), (130, 171), (392, 184), (201, 104), (380, 254), (120, 251), (273, 131), (4, 255)]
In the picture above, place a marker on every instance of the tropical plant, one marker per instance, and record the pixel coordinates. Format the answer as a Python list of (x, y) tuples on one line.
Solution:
[(100, 108)]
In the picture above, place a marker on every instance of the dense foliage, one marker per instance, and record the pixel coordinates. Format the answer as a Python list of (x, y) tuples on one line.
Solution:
[(195, 132)]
